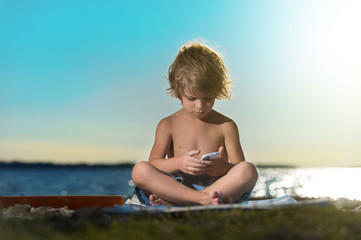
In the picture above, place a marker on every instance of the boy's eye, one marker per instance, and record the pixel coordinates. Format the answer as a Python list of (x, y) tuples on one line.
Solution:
[(190, 98), (194, 98)]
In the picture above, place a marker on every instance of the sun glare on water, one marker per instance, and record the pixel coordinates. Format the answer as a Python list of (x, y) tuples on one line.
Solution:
[(309, 182), (330, 182)]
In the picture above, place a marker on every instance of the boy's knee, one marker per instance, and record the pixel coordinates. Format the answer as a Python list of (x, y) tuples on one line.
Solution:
[(139, 172), (253, 172), (248, 170)]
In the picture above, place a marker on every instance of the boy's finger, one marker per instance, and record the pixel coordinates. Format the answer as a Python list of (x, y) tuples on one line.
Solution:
[(193, 152), (207, 162), (194, 171), (220, 150)]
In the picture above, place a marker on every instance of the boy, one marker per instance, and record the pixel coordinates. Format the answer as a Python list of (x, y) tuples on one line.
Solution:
[(174, 173)]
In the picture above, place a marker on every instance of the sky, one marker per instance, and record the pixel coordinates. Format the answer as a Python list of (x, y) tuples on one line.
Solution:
[(83, 81)]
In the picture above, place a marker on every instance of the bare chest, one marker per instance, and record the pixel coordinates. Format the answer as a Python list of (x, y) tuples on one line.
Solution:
[(206, 138)]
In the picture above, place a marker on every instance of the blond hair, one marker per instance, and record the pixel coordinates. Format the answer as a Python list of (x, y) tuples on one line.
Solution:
[(199, 69)]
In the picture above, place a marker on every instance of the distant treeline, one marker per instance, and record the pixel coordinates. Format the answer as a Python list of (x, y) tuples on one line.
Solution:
[(275, 166), (18, 164)]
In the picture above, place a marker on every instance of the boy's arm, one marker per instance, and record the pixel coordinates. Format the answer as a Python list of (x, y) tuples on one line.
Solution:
[(233, 144), (232, 147), (161, 146)]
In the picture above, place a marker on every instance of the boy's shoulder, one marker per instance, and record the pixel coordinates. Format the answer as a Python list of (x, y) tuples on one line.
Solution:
[(167, 121), (220, 119)]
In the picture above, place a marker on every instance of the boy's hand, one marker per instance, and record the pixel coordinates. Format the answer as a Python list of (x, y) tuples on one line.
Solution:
[(216, 167), (190, 164)]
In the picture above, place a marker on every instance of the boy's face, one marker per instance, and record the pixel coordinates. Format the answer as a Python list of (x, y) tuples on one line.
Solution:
[(197, 105)]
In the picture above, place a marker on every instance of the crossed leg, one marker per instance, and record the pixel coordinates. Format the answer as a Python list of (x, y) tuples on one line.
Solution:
[(165, 189), (238, 181)]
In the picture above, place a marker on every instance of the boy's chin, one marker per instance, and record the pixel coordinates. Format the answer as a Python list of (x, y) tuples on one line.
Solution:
[(200, 115)]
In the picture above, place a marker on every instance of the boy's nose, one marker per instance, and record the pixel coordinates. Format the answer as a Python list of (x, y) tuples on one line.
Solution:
[(199, 104)]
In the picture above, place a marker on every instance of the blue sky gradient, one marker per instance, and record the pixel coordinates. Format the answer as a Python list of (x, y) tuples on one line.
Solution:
[(84, 81)]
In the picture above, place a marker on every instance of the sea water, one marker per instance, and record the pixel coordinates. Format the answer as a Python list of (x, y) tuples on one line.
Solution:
[(272, 182), (66, 181)]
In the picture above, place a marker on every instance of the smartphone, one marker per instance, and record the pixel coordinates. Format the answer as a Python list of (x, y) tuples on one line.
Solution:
[(210, 156)]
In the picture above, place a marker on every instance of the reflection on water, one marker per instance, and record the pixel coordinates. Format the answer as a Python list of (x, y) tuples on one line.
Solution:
[(309, 182)]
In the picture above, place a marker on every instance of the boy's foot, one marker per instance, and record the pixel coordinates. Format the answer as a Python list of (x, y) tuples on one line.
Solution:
[(217, 197), (213, 198), (156, 200)]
